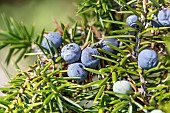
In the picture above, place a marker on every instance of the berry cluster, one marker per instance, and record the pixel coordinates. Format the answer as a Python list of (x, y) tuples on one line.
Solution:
[(78, 59), (147, 58), (162, 19)]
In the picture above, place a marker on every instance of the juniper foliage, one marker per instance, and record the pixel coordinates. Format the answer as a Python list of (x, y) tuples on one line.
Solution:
[(45, 86)]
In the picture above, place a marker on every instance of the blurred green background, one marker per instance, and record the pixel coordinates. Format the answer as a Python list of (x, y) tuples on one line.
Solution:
[(39, 12)]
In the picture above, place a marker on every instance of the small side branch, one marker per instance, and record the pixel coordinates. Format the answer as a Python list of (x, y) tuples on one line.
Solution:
[(143, 87)]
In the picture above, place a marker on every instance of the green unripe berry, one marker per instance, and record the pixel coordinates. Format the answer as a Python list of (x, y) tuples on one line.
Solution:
[(122, 87), (157, 111)]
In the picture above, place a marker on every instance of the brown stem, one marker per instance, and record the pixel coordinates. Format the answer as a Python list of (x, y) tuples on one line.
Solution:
[(60, 30), (145, 10), (96, 32), (143, 87)]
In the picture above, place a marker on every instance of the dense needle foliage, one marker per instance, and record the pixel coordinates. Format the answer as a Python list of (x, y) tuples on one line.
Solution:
[(45, 86)]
